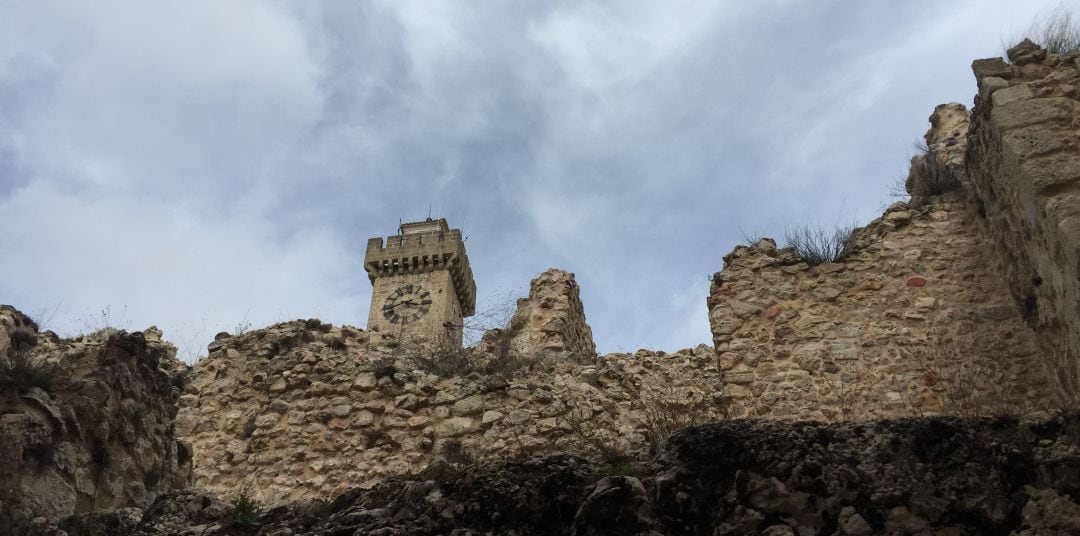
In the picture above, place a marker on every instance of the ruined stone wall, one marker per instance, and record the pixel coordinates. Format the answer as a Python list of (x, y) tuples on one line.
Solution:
[(89, 425), (916, 321), (933, 312), (928, 313), (304, 409), (903, 477), (552, 317), (1024, 165)]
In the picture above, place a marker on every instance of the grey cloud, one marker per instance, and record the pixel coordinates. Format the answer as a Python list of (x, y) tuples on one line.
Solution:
[(227, 160)]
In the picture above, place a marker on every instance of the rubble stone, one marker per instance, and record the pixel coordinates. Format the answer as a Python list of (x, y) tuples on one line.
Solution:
[(96, 429)]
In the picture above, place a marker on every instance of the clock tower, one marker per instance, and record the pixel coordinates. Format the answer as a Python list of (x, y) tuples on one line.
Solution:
[(422, 283)]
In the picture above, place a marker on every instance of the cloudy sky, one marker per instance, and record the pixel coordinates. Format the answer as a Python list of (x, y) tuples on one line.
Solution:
[(202, 164)]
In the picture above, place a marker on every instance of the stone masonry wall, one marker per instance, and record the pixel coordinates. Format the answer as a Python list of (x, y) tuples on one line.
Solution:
[(1024, 163), (932, 312), (305, 409), (552, 318), (915, 321), (929, 313)]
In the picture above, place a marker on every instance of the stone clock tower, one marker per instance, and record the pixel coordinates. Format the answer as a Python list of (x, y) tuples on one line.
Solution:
[(423, 285)]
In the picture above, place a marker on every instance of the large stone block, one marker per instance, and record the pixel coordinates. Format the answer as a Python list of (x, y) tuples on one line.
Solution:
[(1052, 172), (991, 67), (1007, 95), (1022, 113), (1035, 140)]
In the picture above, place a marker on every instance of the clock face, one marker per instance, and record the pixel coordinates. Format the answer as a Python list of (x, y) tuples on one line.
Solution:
[(407, 304)]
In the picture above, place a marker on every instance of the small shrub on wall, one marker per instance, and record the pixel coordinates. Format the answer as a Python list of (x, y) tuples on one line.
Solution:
[(816, 245), (1058, 32), (927, 177)]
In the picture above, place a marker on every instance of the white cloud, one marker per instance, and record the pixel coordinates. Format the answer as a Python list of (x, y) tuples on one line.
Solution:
[(163, 100), (160, 264), (600, 45)]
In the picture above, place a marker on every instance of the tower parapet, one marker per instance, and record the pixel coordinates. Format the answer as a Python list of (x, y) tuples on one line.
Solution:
[(425, 257)]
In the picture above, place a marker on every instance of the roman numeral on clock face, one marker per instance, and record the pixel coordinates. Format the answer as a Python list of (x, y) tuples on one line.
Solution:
[(407, 303)]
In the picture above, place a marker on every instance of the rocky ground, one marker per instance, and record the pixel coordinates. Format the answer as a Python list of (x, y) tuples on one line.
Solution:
[(906, 477)]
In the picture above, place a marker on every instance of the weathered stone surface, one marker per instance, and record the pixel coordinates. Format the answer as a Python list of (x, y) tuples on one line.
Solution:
[(455, 426), (1025, 52), (850, 523), (266, 421), (991, 67), (990, 84), (552, 317), (864, 341), (1024, 164), (1017, 159), (911, 476), (1052, 172), (359, 399), (1008, 94), (279, 406), (1035, 141), (365, 381), (363, 418), (1023, 113), (97, 430), (472, 405)]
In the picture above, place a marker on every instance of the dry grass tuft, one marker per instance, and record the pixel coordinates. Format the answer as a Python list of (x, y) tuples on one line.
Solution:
[(815, 245), (927, 177), (21, 370), (1057, 32)]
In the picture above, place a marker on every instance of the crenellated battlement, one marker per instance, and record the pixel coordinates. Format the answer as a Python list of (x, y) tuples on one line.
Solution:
[(414, 240), (424, 247)]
